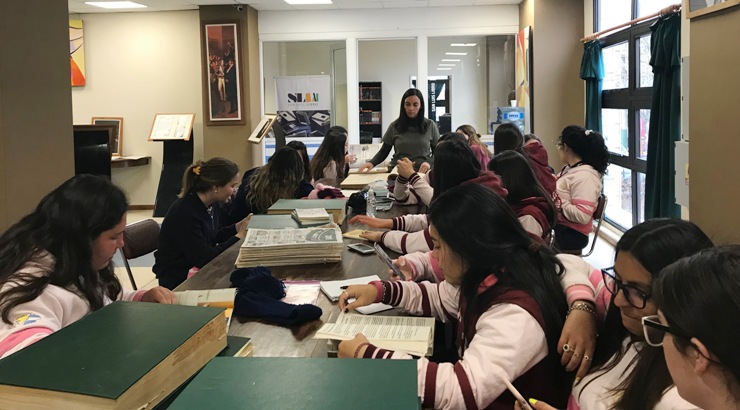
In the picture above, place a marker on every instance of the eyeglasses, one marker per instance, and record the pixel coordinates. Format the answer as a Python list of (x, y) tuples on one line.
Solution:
[(655, 331), (634, 296)]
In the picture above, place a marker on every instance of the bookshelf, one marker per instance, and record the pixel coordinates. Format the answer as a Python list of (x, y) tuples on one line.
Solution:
[(371, 106)]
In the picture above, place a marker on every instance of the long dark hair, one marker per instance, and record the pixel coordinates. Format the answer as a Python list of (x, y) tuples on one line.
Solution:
[(301, 148), (205, 175), (655, 244), (404, 122), (278, 179), (454, 163), (587, 144), (700, 297), (65, 223), (491, 240), (331, 149), (518, 178), (507, 136)]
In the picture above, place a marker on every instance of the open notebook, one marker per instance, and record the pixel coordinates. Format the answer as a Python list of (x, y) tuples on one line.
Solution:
[(333, 288)]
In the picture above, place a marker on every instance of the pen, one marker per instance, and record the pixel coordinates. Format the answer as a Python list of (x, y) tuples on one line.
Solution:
[(522, 402), (344, 287)]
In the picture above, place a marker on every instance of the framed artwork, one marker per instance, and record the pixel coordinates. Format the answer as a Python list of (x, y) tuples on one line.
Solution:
[(222, 75), (696, 8), (172, 127), (116, 142), (76, 53), (263, 129)]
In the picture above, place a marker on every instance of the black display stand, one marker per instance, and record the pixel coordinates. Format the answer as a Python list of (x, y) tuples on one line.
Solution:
[(92, 149), (371, 106), (177, 156)]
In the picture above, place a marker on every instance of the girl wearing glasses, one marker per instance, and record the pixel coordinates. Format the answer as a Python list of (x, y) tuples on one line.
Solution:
[(699, 326), (626, 372), (579, 185)]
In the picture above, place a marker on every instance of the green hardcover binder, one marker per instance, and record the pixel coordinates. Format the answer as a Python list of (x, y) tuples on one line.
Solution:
[(302, 383), (107, 352), (334, 206), (272, 222), (234, 346)]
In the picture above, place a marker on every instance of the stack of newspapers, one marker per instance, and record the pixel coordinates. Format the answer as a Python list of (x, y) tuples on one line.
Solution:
[(291, 246)]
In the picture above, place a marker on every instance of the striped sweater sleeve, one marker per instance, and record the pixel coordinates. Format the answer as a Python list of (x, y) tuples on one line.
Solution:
[(579, 204), (404, 242), (577, 279), (414, 190)]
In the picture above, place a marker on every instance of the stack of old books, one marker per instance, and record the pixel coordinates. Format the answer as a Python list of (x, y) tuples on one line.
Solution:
[(290, 246)]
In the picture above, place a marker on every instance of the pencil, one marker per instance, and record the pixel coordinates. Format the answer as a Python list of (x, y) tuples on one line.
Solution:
[(522, 402)]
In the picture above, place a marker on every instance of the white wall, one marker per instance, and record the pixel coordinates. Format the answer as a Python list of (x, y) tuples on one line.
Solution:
[(140, 64), (394, 69)]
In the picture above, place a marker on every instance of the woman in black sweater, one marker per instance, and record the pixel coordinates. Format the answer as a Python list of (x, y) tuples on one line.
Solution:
[(191, 235)]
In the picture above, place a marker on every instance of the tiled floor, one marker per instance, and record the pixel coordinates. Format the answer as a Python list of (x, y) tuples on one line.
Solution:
[(602, 257)]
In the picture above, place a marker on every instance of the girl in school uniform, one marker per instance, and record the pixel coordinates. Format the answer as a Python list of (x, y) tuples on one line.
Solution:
[(626, 372), (508, 137), (328, 165), (504, 291), (532, 205), (456, 165), (579, 185), (697, 326), (55, 263), (476, 145), (192, 233)]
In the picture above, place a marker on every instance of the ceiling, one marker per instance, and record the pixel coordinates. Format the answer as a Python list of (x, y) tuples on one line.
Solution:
[(79, 6)]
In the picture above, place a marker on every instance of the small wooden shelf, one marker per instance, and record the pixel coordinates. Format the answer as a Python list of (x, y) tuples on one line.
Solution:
[(127, 162)]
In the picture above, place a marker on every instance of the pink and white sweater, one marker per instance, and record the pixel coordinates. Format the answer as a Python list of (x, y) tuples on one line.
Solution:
[(53, 309), (578, 190), (415, 190)]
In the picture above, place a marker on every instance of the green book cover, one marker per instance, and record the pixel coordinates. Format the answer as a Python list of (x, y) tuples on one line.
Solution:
[(272, 222), (233, 345), (291, 204), (106, 352), (301, 383)]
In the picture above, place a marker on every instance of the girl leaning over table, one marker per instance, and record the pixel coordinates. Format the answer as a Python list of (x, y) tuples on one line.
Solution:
[(55, 263), (502, 287)]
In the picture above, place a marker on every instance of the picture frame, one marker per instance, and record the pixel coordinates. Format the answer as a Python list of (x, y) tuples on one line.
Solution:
[(172, 126), (116, 143), (697, 8), (262, 129), (222, 77)]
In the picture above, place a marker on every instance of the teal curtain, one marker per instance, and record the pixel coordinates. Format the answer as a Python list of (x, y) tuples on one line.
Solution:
[(592, 71), (665, 117)]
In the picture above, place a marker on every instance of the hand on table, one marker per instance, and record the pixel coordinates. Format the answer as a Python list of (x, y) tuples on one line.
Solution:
[(405, 267), (159, 295), (405, 167), (366, 167), (578, 342), (363, 294), (372, 221), (424, 167), (372, 236), (350, 158), (348, 348)]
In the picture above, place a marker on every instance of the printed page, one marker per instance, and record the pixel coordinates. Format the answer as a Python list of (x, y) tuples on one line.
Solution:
[(378, 328), (257, 238)]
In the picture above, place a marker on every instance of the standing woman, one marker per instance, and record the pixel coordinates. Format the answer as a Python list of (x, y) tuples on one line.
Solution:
[(411, 135), (579, 185), (479, 148), (328, 164), (191, 235), (698, 325), (55, 263)]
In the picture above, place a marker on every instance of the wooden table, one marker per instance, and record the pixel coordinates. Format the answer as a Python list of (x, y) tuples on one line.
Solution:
[(278, 341)]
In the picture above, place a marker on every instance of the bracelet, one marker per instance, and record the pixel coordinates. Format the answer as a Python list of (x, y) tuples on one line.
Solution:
[(361, 345), (584, 306), (385, 288)]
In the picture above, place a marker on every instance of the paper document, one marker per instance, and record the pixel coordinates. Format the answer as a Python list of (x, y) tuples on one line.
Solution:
[(333, 288), (213, 297)]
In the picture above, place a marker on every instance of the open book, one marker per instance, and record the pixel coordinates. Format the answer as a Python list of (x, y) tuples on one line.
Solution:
[(411, 334), (333, 288), (364, 153)]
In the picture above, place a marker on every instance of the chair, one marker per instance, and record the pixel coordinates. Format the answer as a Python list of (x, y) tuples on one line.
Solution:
[(598, 217), (139, 238)]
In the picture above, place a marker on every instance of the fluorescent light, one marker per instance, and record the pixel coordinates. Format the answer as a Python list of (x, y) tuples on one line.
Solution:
[(116, 4), (447, 65), (455, 54), (463, 44), (308, 1), (452, 60), (443, 69)]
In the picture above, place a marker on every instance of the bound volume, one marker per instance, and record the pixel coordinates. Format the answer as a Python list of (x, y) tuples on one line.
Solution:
[(127, 355), (334, 206)]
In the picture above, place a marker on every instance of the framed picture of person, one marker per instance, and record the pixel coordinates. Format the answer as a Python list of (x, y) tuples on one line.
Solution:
[(116, 143), (222, 74), (696, 8)]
